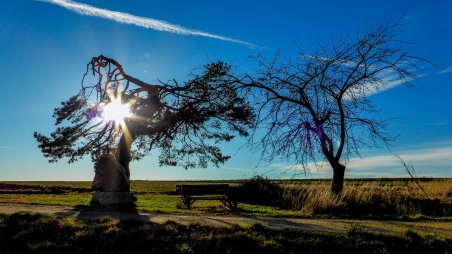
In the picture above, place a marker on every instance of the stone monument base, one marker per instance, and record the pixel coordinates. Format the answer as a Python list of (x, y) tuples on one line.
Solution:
[(113, 198)]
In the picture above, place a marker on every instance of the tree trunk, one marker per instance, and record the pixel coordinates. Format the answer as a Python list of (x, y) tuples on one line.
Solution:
[(123, 155), (112, 172), (338, 179), (112, 176)]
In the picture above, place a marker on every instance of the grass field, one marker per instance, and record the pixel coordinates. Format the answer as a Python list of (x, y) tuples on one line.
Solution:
[(384, 197), (152, 196), (427, 203)]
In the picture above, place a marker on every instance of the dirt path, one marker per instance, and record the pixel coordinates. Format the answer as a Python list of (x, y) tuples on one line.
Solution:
[(305, 225)]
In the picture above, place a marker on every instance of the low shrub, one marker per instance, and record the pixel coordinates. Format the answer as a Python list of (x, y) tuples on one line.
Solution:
[(261, 191)]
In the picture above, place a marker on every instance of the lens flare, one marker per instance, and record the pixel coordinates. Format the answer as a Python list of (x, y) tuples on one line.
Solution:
[(116, 111)]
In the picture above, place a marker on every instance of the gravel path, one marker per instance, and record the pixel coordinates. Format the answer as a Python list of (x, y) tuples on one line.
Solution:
[(305, 225)]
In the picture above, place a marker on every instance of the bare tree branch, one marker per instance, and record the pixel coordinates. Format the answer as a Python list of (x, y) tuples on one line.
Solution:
[(317, 107)]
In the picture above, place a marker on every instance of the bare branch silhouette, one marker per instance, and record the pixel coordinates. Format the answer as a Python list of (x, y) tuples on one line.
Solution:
[(409, 168), (184, 122), (317, 107)]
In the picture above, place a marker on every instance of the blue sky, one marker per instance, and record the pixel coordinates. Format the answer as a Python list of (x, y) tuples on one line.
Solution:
[(44, 49)]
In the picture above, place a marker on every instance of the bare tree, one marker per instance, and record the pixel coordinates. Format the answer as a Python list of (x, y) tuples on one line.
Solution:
[(409, 168), (185, 122), (317, 107)]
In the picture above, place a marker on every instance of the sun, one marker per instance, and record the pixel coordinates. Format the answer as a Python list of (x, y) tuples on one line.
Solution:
[(116, 111)]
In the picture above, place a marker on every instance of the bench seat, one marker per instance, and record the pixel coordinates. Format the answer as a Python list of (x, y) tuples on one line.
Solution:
[(191, 193)]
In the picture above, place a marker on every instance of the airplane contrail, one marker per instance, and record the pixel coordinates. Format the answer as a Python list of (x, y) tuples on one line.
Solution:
[(149, 23)]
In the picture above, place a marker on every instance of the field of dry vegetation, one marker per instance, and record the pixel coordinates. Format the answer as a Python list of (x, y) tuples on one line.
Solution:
[(390, 197)]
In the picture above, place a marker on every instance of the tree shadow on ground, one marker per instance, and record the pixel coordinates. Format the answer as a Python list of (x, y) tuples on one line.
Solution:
[(96, 212)]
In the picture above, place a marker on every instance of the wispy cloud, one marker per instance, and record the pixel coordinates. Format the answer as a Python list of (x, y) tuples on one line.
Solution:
[(5, 147), (447, 70), (432, 156), (387, 164), (149, 23), (389, 78)]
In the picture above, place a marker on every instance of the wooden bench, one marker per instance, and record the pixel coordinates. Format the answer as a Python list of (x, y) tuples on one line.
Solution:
[(191, 193)]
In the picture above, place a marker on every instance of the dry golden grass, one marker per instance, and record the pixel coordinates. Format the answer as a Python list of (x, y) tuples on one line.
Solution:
[(441, 188), (372, 198)]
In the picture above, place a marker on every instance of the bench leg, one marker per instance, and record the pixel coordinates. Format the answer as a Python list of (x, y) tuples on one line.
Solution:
[(234, 205), (229, 202), (186, 202)]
